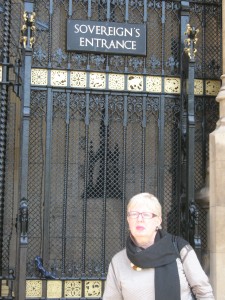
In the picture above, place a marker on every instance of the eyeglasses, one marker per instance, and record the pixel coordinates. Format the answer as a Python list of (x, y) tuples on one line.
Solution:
[(145, 215)]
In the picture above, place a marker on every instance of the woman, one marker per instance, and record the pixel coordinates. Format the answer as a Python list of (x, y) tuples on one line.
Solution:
[(150, 267)]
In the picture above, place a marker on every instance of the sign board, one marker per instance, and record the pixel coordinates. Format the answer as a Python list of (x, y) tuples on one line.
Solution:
[(106, 37)]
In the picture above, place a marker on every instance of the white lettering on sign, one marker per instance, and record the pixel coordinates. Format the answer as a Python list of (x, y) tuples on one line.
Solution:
[(107, 31), (113, 44)]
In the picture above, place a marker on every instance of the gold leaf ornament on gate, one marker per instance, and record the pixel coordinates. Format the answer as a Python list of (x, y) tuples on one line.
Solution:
[(190, 41), (28, 29)]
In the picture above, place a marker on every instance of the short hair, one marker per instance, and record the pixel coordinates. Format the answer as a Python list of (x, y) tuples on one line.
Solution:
[(148, 199)]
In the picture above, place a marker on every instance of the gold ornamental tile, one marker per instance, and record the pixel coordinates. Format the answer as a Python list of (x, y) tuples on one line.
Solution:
[(172, 85), (0, 73), (58, 78), (97, 80), (198, 87), (73, 289), (39, 76), (33, 288), (212, 87), (54, 289), (78, 79), (154, 84), (116, 82), (93, 288), (135, 83)]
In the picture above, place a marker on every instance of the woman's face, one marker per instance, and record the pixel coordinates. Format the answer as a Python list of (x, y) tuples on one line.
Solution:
[(143, 229)]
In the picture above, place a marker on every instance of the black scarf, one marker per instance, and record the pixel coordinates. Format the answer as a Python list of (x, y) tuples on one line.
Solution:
[(161, 256)]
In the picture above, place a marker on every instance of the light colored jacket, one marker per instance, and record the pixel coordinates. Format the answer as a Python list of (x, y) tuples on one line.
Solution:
[(124, 283)]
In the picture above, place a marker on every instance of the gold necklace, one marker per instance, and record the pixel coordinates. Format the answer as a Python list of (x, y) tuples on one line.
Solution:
[(135, 267)]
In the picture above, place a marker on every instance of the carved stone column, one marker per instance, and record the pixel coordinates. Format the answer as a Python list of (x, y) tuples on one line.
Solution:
[(217, 200), (217, 192)]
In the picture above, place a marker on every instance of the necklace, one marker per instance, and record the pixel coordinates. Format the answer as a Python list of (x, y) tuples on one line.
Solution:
[(135, 267)]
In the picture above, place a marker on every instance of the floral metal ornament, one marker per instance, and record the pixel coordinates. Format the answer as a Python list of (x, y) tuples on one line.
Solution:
[(79, 59), (154, 62), (172, 64), (136, 3), (190, 42), (97, 60), (117, 61), (135, 63), (59, 56), (39, 55)]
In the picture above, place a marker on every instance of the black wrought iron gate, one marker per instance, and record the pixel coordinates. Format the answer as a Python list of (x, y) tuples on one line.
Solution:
[(81, 133)]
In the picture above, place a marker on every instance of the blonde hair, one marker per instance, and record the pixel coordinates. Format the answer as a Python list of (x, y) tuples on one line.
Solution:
[(148, 199)]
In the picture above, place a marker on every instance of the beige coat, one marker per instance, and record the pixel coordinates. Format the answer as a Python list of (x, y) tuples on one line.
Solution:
[(124, 283)]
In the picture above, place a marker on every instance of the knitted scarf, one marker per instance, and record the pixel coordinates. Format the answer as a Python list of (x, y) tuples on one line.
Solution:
[(161, 256)]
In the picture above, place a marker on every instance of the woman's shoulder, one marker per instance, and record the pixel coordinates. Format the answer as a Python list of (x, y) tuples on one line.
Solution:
[(120, 255), (180, 242), (120, 258), (184, 248)]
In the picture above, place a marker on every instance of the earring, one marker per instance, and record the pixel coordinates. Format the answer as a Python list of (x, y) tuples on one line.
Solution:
[(157, 228)]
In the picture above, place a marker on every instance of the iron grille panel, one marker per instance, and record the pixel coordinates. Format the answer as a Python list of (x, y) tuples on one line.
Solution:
[(89, 152), (155, 39), (171, 140), (1, 23), (171, 38), (151, 139), (9, 244), (208, 56), (115, 156), (36, 175), (15, 26)]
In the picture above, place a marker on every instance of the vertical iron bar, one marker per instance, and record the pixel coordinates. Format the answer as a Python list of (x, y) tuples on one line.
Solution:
[(25, 132), (126, 10), (47, 183), (145, 11), (108, 11), (204, 163), (64, 239), (203, 46), (163, 35), (160, 176), (182, 160), (106, 124), (47, 180), (125, 118), (145, 18), (191, 142), (70, 10), (143, 144), (89, 9), (204, 141), (161, 169), (50, 33), (85, 184), (3, 117)]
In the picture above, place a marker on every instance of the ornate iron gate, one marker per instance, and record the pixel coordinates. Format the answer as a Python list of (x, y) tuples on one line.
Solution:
[(95, 130)]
